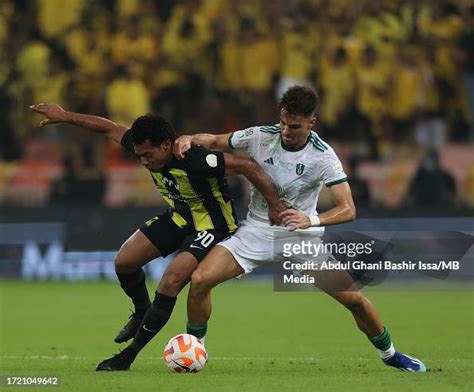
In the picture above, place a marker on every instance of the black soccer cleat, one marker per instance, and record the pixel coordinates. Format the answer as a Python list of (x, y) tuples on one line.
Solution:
[(118, 362), (130, 329)]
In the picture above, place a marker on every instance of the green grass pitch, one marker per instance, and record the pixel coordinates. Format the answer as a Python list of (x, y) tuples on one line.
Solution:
[(257, 340)]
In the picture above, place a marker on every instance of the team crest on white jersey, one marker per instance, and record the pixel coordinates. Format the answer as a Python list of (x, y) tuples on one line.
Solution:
[(300, 169)]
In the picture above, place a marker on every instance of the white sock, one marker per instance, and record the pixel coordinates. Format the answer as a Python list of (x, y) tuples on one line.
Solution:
[(386, 354)]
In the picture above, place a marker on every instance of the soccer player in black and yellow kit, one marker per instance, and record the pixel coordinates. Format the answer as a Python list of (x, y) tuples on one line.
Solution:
[(200, 215)]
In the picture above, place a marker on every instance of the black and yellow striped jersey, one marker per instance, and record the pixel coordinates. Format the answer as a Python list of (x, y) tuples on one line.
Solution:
[(195, 189)]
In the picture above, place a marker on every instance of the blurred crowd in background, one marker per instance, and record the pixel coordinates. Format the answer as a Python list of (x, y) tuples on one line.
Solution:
[(395, 77)]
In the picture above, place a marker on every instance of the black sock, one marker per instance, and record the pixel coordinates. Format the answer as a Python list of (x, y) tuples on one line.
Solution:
[(134, 286), (155, 319)]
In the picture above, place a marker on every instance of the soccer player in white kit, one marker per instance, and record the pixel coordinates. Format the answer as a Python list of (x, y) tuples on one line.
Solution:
[(299, 163)]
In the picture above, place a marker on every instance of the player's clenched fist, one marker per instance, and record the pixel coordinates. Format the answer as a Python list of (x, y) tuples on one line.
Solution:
[(53, 112)]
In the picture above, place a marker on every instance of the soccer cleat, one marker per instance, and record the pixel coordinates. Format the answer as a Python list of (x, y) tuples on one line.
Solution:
[(120, 361), (405, 363), (130, 329)]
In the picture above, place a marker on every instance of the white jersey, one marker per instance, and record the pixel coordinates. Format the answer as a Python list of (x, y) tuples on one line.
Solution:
[(298, 174)]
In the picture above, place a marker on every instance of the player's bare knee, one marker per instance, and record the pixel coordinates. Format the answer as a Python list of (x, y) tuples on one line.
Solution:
[(200, 281), (172, 282), (123, 265), (355, 302)]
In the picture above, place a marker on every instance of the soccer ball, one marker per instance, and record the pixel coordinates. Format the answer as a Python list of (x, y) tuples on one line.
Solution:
[(184, 353)]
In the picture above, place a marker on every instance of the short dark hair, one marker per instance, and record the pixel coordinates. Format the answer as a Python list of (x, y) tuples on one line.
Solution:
[(299, 101), (153, 128)]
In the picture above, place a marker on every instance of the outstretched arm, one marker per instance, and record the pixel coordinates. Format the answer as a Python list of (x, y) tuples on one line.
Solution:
[(56, 114), (255, 174), (208, 140), (343, 211)]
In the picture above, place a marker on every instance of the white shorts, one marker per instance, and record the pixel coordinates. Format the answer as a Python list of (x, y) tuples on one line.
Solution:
[(255, 244)]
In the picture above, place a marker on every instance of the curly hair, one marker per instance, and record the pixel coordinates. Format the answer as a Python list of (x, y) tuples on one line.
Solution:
[(153, 128), (299, 101)]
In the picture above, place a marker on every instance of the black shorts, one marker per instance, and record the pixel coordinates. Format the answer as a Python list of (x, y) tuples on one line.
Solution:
[(168, 237)]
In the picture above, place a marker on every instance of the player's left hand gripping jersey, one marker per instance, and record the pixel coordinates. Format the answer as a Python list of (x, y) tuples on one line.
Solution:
[(195, 189), (298, 174)]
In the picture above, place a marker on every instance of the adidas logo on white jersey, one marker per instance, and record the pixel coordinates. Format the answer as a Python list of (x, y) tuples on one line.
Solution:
[(269, 161)]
